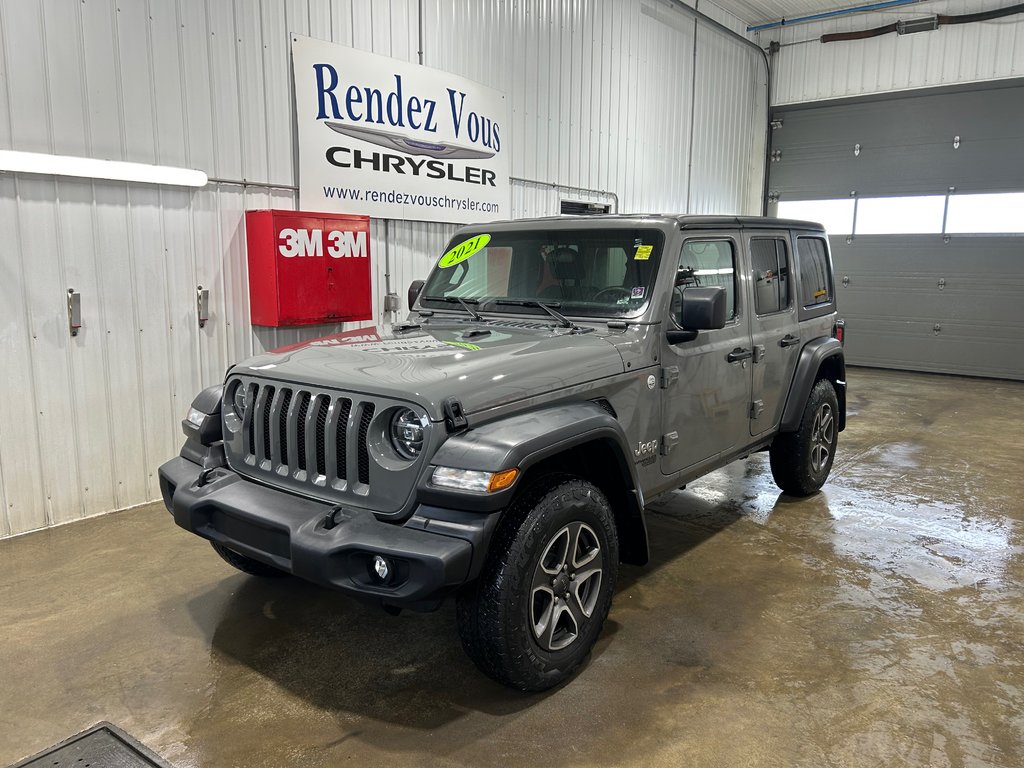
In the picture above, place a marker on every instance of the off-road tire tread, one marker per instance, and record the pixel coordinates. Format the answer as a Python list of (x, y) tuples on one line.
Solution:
[(479, 606), (246, 564), (789, 454)]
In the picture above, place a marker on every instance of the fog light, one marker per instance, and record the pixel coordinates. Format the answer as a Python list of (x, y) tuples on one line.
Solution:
[(381, 568)]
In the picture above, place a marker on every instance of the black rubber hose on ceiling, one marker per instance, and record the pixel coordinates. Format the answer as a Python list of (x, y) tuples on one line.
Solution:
[(964, 18)]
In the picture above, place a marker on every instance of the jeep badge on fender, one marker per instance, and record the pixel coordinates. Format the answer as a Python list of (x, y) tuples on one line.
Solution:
[(500, 445)]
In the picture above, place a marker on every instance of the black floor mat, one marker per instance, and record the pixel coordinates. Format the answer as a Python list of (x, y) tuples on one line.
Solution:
[(102, 746)]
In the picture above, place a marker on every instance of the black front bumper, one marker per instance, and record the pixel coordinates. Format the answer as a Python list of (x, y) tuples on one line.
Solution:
[(435, 551)]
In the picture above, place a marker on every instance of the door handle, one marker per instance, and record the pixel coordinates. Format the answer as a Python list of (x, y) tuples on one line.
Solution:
[(789, 340), (739, 354)]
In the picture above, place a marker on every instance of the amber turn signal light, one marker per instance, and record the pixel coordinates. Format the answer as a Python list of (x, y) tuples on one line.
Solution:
[(502, 480)]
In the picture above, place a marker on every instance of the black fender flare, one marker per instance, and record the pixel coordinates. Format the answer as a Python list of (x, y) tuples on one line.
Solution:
[(204, 442), (815, 354), (525, 440)]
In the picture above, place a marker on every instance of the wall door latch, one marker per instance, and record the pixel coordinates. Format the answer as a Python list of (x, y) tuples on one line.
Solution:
[(74, 311), (202, 305)]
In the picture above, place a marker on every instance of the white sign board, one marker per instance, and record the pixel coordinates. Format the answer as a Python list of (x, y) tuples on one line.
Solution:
[(395, 140)]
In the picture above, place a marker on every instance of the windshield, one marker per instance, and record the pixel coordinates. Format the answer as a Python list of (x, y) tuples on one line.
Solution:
[(591, 273)]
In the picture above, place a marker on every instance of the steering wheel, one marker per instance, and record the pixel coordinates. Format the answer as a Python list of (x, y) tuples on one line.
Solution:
[(614, 293)]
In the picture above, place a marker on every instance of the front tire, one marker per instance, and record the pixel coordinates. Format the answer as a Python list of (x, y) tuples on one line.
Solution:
[(539, 605), (246, 564), (801, 460)]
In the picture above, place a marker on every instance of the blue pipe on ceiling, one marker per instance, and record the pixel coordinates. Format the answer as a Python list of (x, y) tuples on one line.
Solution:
[(832, 14)]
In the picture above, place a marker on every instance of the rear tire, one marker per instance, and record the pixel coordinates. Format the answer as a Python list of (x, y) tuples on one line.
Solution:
[(246, 564), (516, 622), (801, 460)]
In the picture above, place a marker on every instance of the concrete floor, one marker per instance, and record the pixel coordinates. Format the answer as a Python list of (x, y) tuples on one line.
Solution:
[(877, 623)]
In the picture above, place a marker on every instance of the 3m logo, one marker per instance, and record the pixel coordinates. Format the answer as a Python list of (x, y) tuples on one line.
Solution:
[(310, 242)]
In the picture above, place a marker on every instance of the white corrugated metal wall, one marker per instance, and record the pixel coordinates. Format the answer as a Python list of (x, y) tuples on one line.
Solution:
[(807, 70), (601, 95)]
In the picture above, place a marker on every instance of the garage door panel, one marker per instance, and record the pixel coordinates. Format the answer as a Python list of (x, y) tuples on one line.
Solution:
[(987, 305), (960, 348), (906, 144), (923, 117), (965, 254), (888, 291), (822, 173)]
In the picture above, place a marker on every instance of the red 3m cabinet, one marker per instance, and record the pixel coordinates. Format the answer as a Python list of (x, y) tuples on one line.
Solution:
[(307, 268)]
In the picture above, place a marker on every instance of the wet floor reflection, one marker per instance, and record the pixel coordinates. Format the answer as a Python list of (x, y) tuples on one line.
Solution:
[(876, 623)]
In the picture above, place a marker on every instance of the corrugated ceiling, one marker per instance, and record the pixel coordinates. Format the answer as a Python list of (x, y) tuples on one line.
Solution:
[(762, 11)]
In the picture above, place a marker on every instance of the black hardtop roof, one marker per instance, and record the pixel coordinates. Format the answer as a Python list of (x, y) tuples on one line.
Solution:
[(743, 222), (684, 221)]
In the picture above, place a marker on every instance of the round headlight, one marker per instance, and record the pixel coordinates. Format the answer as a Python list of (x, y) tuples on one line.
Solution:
[(238, 399), (407, 433)]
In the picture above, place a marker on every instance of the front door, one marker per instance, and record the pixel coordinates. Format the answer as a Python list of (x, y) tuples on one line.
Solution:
[(774, 327), (706, 382)]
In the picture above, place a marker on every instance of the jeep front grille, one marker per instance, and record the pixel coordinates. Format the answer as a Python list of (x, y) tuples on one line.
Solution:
[(364, 453), (341, 438), (315, 437), (319, 442)]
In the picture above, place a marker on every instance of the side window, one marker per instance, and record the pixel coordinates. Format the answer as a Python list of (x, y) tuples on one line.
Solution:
[(707, 263), (770, 261), (815, 280)]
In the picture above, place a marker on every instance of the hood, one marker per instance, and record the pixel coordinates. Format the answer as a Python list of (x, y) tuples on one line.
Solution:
[(481, 364)]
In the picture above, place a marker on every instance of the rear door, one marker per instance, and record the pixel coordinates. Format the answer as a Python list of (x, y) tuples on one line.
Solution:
[(773, 325), (706, 382)]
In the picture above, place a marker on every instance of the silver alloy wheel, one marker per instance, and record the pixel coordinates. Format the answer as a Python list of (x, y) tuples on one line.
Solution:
[(822, 436), (566, 585)]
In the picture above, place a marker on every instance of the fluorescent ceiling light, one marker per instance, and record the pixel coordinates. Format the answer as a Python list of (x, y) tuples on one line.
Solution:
[(91, 168)]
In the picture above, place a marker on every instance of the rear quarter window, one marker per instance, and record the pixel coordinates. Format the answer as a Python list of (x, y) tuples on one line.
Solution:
[(815, 272)]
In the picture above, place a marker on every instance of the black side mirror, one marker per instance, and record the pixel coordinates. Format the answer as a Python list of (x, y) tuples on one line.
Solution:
[(698, 309), (414, 291)]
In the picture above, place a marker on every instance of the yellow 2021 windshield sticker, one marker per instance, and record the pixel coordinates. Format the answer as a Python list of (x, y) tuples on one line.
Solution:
[(464, 250)]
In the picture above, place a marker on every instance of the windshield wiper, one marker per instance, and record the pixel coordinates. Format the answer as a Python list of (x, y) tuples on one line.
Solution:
[(549, 308), (458, 299)]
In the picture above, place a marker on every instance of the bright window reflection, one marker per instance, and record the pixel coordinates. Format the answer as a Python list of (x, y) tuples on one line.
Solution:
[(900, 215), (836, 216), (986, 213)]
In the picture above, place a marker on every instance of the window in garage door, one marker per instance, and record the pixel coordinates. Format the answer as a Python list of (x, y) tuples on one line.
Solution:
[(836, 216), (952, 214), (986, 214), (918, 214)]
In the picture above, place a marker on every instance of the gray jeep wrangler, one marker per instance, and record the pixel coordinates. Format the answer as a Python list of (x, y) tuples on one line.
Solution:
[(500, 445)]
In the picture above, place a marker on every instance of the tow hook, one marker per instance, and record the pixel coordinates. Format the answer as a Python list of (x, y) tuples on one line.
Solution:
[(331, 521), (205, 476)]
